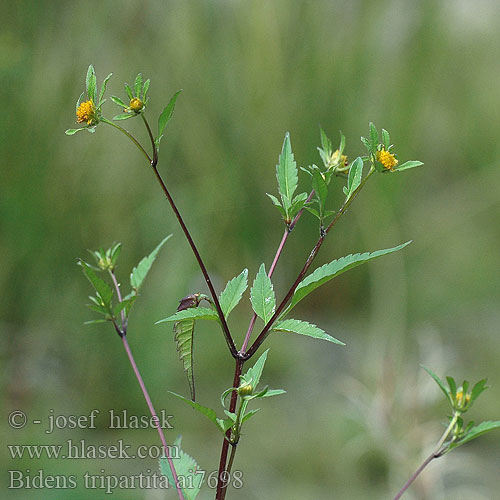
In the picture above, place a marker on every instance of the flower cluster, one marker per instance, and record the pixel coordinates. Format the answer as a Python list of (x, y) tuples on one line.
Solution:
[(387, 159), (86, 112)]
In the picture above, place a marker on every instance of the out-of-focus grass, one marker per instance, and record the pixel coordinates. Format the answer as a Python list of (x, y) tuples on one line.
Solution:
[(354, 423)]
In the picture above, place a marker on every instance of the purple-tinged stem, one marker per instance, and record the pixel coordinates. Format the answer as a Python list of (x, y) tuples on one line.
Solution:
[(156, 420), (438, 451), (187, 234), (415, 475), (288, 230), (119, 295), (153, 414)]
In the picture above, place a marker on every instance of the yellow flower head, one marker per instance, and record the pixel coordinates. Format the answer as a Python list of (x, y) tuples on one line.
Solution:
[(136, 104), (387, 159), (86, 113)]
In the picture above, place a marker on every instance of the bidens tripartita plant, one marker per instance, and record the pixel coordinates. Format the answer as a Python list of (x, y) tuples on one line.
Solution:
[(179, 470)]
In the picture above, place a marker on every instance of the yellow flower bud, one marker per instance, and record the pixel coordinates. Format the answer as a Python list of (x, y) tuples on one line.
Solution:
[(245, 389), (136, 104)]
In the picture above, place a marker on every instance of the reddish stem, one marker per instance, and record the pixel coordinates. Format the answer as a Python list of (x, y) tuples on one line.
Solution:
[(288, 230), (153, 414)]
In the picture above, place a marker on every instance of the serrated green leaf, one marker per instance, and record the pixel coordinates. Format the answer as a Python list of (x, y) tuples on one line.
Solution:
[(262, 295), (140, 272), (408, 164), (475, 432), (165, 116), (286, 171), (440, 383), (73, 131), (124, 116), (103, 89), (100, 286), (254, 374), (320, 189), (138, 85), (90, 84), (231, 295), (191, 313), (329, 271), (304, 328), (184, 337), (186, 469), (118, 101)]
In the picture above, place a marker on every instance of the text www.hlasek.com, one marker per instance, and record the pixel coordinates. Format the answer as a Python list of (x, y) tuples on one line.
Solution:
[(78, 450)]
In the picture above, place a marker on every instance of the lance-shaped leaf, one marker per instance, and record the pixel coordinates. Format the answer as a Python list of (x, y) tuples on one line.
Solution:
[(138, 85), (320, 189), (262, 295), (441, 384), (354, 178), (204, 410), (373, 137), (478, 388), (304, 328), (91, 84), (286, 173), (103, 89), (165, 116), (73, 131), (140, 272), (118, 101), (101, 287), (191, 313), (407, 164), (386, 139), (335, 268), (123, 116), (253, 374), (475, 432), (184, 336), (186, 470), (231, 295)]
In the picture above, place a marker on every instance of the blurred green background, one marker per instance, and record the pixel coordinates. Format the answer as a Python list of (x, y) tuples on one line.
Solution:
[(357, 420)]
